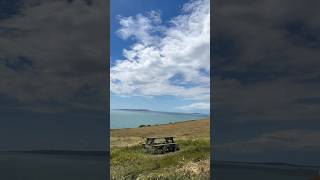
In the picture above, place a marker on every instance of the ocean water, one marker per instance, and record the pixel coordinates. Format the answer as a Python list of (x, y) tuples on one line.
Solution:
[(231, 172), (20, 166), (133, 119)]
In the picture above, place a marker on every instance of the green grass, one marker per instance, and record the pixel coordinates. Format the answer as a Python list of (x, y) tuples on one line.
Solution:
[(133, 163)]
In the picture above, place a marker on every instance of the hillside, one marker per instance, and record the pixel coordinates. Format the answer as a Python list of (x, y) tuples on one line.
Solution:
[(129, 161)]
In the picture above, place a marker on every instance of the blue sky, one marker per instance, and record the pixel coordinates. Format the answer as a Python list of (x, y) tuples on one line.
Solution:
[(160, 55), (168, 8)]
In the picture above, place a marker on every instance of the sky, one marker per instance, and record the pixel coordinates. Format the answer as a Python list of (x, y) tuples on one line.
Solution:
[(160, 55), (266, 81), (52, 75)]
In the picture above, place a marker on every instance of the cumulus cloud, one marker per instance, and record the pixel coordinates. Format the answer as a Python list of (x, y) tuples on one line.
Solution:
[(54, 60), (141, 28), (266, 80), (265, 60), (170, 59)]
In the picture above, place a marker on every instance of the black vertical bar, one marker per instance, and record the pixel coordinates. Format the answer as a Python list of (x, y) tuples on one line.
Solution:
[(108, 87)]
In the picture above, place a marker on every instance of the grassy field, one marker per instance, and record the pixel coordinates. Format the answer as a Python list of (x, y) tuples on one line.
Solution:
[(128, 161)]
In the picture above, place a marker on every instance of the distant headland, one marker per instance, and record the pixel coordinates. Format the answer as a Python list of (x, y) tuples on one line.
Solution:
[(166, 112)]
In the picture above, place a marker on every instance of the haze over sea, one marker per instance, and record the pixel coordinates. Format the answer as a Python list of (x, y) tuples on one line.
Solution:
[(124, 118)]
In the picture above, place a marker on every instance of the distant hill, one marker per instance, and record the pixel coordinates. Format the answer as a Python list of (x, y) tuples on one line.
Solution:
[(165, 112), (147, 110)]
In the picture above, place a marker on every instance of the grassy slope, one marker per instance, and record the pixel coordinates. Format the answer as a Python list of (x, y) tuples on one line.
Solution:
[(128, 161)]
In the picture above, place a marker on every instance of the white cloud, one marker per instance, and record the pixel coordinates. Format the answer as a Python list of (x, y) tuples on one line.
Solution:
[(200, 105), (65, 50), (141, 28), (169, 60)]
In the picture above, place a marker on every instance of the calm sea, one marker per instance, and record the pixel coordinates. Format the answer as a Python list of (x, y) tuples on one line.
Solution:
[(231, 172), (21, 166), (133, 119)]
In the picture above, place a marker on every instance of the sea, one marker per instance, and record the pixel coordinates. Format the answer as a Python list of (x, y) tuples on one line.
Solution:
[(135, 118), (29, 166), (231, 171)]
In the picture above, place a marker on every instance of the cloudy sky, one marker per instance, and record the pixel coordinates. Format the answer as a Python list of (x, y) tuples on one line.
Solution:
[(266, 81), (160, 55), (52, 74)]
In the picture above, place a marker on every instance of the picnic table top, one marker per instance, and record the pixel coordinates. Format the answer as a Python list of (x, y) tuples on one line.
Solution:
[(159, 137), (162, 144)]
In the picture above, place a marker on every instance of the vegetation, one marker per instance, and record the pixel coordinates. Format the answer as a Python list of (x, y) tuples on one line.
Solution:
[(142, 125), (129, 161)]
